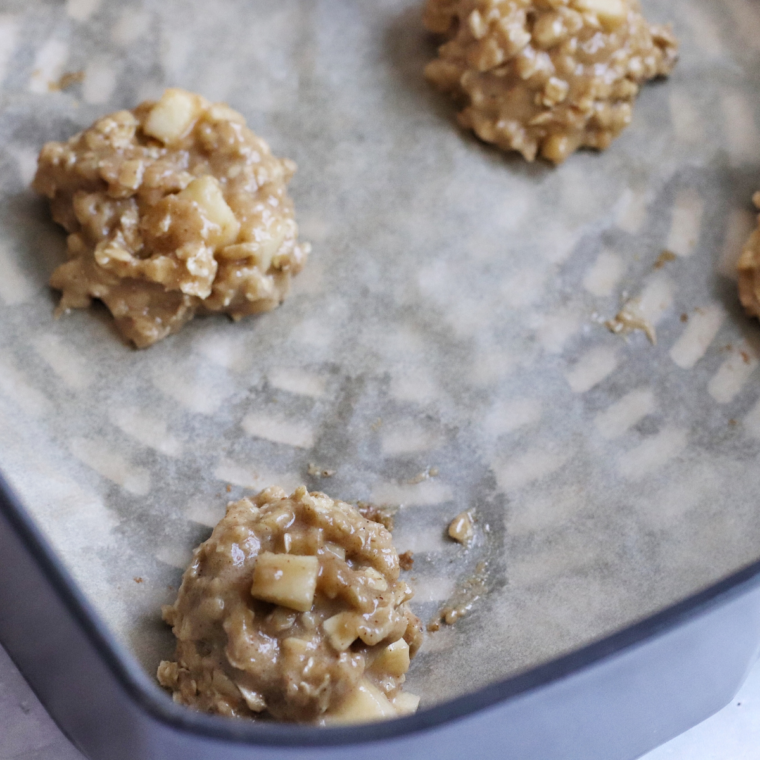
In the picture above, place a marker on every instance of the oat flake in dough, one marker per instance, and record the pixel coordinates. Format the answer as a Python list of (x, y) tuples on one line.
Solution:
[(173, 209), (546, 77), (293, 609)]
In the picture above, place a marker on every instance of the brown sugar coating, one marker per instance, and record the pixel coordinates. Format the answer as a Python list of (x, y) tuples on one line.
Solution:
[(749, 270), (546, 77), (293, 609), (173, 209)]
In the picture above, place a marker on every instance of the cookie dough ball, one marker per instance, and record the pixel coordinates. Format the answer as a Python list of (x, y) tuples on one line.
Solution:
[(294, 610), (749, 270), (546, 76), (173, 209)]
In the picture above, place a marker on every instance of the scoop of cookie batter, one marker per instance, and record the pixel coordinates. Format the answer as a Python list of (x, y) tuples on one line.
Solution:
[(172, 209), (749, 270), (293, 609), (546, 77)]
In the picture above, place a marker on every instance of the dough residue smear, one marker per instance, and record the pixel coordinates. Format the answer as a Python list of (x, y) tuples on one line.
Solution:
[(421, 477), (293, 610), (69, 79), (319, 472), (546, 77), (172, 209), (631, 318), (463, 600), (665, 257)]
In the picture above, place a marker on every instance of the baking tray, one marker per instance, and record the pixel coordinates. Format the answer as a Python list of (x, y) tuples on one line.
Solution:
[(612, 700), (451, 317)]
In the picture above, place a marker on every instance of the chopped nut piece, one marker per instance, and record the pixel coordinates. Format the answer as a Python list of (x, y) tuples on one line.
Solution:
[(406, 560), (461, 529)]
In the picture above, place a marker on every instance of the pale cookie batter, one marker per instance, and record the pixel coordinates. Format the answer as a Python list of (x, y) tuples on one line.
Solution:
[(173, 209), (749, 270), (546, 77), (293, 609)]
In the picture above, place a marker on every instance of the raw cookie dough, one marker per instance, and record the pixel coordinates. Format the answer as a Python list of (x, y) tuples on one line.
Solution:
[(293, 609), (749, 270), (546, 76), (173, 209)]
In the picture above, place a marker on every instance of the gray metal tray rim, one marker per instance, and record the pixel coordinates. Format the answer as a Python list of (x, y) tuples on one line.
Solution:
[(159, 707)]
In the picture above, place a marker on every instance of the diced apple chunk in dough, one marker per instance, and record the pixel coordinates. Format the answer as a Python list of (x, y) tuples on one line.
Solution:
[(406, 703), (342, 630), (253, 699), (375, 580), (365, 703), (268, 248), (206, 192), (394, 659), (286, 580), (262, 252), (335, 549), (609, 12), (222, 112), (173, 116)]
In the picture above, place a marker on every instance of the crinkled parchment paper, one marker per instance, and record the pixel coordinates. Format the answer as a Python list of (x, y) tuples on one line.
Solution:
[(451, 317)]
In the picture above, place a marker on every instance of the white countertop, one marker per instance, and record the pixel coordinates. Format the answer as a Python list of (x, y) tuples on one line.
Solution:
[(28, 733)]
